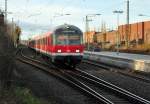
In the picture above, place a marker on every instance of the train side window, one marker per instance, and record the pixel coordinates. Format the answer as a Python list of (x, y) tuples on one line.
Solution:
[(43, 41), (49, 39), (52, 39), (46, 40), (38, 42)]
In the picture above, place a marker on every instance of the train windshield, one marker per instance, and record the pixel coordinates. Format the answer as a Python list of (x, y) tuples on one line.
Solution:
[(68, 39)]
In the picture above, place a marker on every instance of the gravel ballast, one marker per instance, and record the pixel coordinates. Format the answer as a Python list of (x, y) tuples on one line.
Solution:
[(135, 86)]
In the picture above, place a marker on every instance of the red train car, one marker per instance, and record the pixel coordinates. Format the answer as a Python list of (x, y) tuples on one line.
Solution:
[(63, 45)]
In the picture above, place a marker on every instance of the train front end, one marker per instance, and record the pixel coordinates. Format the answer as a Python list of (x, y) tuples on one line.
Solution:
[(68, 45)]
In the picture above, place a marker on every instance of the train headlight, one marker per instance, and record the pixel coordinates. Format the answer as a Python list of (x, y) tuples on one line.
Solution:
[(59, 50), (77, 50)]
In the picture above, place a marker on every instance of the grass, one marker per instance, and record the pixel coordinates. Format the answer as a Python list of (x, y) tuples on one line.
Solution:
[(26, 97), (19, 96)]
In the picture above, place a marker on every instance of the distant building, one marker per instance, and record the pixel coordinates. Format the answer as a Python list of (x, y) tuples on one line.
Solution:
[(101, 37), (106, 39), (90, 37), (139, 33), (138, 37)]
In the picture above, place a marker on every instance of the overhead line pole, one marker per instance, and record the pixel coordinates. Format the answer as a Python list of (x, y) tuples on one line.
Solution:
[(87, 31), (87, 28), (5, 10), (117, 34), (127, 26)]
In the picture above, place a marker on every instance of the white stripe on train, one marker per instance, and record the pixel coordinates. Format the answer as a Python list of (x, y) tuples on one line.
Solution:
[(59, 54)]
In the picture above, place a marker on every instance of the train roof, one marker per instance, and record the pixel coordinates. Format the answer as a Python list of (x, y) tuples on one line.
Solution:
[(41, 36), (60, 27), (66, 26)]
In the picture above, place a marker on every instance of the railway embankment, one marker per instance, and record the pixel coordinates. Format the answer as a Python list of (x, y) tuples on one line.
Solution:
[(7, 57), (10, 92)]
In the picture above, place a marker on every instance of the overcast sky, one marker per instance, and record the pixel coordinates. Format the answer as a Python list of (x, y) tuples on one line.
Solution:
[(37, 16)]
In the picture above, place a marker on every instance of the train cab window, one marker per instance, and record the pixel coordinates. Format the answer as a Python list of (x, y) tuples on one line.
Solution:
[(75, 39), (71, 39), (68, 35), (61, 39)]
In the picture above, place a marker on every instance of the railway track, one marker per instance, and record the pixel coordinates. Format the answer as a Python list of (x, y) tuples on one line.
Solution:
[(111, 92), (102, 91), (116, 70)]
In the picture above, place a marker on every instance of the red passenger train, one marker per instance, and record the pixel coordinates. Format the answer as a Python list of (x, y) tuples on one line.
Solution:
[(63, 45)]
